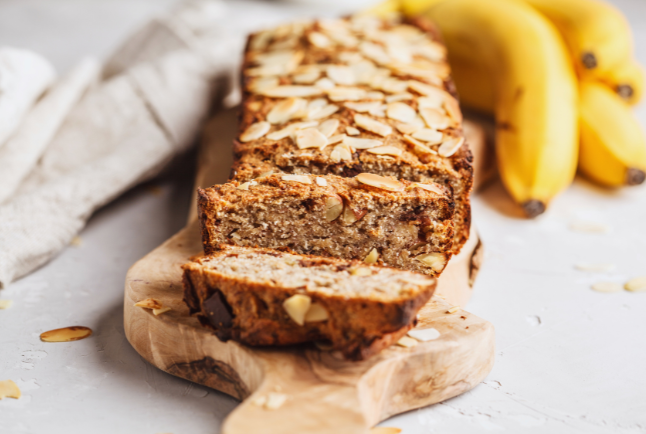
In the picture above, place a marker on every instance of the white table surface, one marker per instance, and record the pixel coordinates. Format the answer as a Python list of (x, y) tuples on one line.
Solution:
[(568, 359)]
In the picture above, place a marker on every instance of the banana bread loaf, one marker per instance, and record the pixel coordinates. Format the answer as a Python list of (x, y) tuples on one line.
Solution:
[(268, 297), (346, 96), (381, 220)]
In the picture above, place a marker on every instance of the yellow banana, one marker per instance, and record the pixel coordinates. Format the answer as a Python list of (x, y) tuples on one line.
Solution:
[(613, 146), (474, 83), (383, 9), (416, 7), (627, 79), (536, 104)]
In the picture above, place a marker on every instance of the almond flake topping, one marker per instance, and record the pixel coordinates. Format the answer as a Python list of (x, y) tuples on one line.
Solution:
[(427, 90), (418, 146), (303, 179), (284, 110), (306, 77), (341, 152), (359, 143), (363, 107), (450, 147), (310, 138), (400, 112), (433, 137), (435, 119), (374, 52), (429, 187), (255, 131), (323, 112), (262, 84), (453, 109), (372, 125), (329, 127), (375, 95), (379, 182), (385, 430), (246, 185), (352, 131), (333, 208), (341, 74), (407, 128), (290, 129), (292, 91), (399, 97), (319, 40), (324, 83), (430, 102), (321, 182), (336, 139), (386, 150), (345, 93)]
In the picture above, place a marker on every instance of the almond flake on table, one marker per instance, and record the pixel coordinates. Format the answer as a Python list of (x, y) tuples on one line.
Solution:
[(407, 342), (596, 268), (9, 389), (385, 430), (6, 304), (638, 284), (66, 334), (424, 335), (590, 227), (607, 287), (453, 309)]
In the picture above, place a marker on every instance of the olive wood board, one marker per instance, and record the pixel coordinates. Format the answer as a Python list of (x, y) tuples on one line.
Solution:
[(323, 393)]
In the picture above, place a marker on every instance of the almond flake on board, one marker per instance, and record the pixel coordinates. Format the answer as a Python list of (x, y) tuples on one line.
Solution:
[(637, 284), (379, 182), (453, 309), (424, 335), (149, 303), (66, 334), (450, 146), (407, 342), (255, 131), (607, 287), (303, 179), (275, 401), (590, 227), (160, 311), (296, 307), (386, 150), (9, 389)]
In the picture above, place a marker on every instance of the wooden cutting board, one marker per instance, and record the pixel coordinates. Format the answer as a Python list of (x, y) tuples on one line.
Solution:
[(322, 393)]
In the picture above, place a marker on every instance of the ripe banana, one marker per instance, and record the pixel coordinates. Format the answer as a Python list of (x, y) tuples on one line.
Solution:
[(536, 92), (627, 79), (613, 145), (596, 33), (474, 84)]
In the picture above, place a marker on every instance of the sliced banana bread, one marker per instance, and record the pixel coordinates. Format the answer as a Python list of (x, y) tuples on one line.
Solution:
[(268, 297), (347, 96), (380, 220)]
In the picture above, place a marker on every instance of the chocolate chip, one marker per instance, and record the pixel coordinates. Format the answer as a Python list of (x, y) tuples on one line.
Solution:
[(218, 311)]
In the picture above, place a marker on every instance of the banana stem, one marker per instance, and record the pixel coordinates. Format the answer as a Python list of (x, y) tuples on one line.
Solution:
[(533, 208), (635, 176)]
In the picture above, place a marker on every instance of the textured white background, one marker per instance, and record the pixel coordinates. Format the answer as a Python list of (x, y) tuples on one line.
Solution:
[(568, 359)]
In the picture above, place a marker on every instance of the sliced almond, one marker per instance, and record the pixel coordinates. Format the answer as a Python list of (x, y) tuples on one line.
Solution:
[(329, 127), (393, 85), (350, 215), (306, 77), (436, 102), (380, 182), (9, 389), (424, 335), (407, 128), (287, 91), (372, 125), (321, 182), (290, 129), (359, 143), (342, 75), (246, 185), (607, 287), (316, 313), (453, 109), (259, 85), (435, 119), (319, 40), (363, 107), (275, 400), (345, 93), (436, 261), (453, 309), (401, 112), (296, 307), (160, 311), (590, 227), (361, 271), (450, 146), (66, 334), (324, 83), (324, 112), (284, 110), (260, 40), (255, 131), (407, 342), (638, 284), (374, 52), (434, 188), (341, 152), (418, 146), (386, 150), (427, 90), (375, 95), (333, 208), (431, 50), (303, 179), (149, 303), (352, 131), (5, 304), (310, 138), (385, 430), (336, 139), (266, 71), (372, 257), (399, 97), (432, 137)]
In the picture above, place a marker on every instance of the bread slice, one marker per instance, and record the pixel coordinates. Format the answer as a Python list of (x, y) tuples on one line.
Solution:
[(382, 220), (356, 78), (267, 297)]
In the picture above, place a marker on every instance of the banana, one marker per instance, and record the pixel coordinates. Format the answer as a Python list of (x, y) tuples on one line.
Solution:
[(416, 7), (383, 9), (613, 145), (627, 79), (474, 84), (536, 104)]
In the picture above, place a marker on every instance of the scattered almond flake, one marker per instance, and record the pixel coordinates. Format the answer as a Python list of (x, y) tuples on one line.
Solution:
[(319, 40), (393, 85), (433, 137), (324, 112), (342, 75), (434, 118), (607, 287), (590, 227), (400, 112), (324, 83), (345, 93), (305, 78), (596, 268), (160, 311), (149, 303), (435, 101), (385, 430), (386, 150), (359, 143), (310, 138), (284, 110), (351, 57), (374, 52), (372, 125), (287, 91), (246, 185), (385, 157), (321, 182), (352, 131), (254, 106), (379, 182), (279, 57), (77, 241), (399, 52), (407, 342), (259, 400), (372, 257), (303, 179), (9, 389), (436, 261), (379, 112), (399, 97), (450, 146), (275, 400), (375, 95), (260, 40), (66, 334), (431, 50), (407, 128), (255, 131), (430, 72), (361, 271), (453, 309), (290, 129), (329, 127), (429, 187), (297, 306), (341, 153), (424, 335), (418, 146), (262, 84), (6, 304), (266, 71), (637, 284), (336, 139), (316, 313), (427, 90), (324, 345), (363, 107), (452, 108)]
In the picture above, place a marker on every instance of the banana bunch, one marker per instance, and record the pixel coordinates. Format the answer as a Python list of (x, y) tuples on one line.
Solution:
[(559, 77)]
